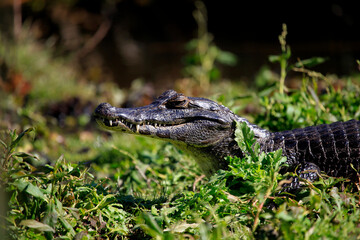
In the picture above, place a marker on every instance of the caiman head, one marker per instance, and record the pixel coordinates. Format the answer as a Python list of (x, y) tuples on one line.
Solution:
[(198, 126)]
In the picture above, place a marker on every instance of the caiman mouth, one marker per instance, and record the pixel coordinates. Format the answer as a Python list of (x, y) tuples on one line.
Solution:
[(123, 124)]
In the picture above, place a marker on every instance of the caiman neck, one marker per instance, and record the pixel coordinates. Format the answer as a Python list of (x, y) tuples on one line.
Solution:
[(213, 157)]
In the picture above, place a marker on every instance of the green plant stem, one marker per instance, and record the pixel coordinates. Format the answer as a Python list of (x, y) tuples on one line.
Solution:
[(284, 57), (282, 75), (261, 205), (259, 209)]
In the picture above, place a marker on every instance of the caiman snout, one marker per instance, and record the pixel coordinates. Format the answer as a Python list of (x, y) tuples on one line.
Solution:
[(103, 109)]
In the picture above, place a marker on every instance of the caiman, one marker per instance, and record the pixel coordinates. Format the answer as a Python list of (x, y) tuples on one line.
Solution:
[(206, 130)]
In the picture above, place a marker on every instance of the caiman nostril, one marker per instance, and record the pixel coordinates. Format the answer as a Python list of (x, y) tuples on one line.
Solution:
[(103, 108)]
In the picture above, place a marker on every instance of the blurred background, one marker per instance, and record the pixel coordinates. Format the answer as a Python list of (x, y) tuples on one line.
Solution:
[(61, 58), (123, 40)]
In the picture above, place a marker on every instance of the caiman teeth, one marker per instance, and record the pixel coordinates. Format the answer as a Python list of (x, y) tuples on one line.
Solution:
[(135, 127)]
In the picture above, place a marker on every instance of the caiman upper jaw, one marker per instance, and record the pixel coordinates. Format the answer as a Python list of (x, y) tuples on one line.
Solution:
[(121, 124), (117, 119)]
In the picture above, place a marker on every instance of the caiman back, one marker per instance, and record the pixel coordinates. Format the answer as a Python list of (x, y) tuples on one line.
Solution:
[(334, 148)]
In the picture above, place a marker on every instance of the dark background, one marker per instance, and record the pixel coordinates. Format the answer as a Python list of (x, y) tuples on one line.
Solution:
[(147, 38)]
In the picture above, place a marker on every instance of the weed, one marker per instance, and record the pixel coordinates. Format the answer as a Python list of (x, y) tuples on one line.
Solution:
[(52, 201), (204, 54)]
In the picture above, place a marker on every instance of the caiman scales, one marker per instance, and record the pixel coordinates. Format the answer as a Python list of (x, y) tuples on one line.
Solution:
[(205, 129)]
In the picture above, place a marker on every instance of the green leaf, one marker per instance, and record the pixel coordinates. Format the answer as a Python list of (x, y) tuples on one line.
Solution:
[(51, 215), (311, 62), (30, 189), (3, 143), (274, 58), (21, 135), (214, 74), (182, 227), (151, 226), (283, 215), (37, 225), (244, 136), (227, 58)]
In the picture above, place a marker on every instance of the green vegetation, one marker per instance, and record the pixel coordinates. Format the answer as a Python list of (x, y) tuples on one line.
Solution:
[(75, 182), (204, 55)]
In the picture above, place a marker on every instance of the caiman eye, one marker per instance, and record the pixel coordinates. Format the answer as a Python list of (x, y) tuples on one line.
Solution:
[(180, 101)]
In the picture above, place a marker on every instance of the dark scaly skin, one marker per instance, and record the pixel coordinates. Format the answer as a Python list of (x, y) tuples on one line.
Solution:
[(206, 129), (332, 147)]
